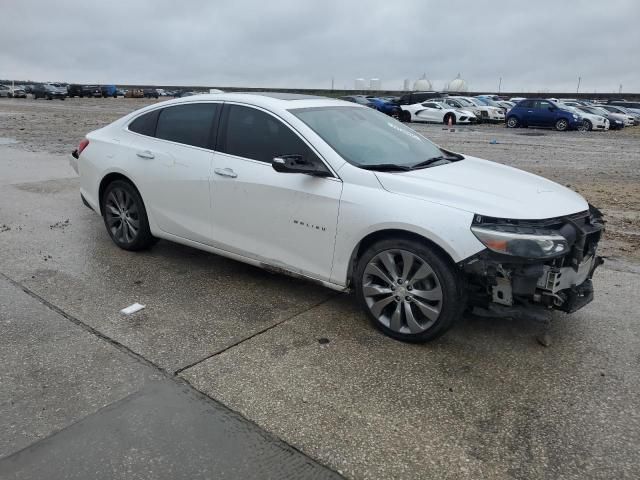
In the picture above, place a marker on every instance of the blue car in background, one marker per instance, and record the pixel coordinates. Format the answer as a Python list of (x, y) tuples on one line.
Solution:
[(386, 105), (539, 112), (109, 91)]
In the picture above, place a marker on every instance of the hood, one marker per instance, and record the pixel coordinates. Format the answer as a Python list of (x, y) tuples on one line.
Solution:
[(486, 188)]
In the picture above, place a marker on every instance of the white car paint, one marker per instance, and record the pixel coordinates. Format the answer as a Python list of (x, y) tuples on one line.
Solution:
[(435, 112), (309, 226), (598, 122), (493, 114)]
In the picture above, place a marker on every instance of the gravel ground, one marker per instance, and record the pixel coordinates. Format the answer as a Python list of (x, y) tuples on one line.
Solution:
[(602, 166)]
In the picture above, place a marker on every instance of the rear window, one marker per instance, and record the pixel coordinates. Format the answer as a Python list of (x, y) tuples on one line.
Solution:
[(145, 124), (188, 124)]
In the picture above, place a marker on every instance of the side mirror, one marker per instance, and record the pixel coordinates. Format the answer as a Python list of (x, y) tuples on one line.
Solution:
[(297, 164)]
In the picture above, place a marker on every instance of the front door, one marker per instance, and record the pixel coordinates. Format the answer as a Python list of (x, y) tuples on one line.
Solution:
[(284, 219)]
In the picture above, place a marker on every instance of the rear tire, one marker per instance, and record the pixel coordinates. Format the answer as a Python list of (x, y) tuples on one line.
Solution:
[(405, 116), (410, 291), (125, 216)]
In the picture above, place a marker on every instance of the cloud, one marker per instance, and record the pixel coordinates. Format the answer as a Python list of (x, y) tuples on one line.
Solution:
[(540, 45)]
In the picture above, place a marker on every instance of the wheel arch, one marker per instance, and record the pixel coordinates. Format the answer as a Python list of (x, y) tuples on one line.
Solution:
[(111, 177), (387, 233)]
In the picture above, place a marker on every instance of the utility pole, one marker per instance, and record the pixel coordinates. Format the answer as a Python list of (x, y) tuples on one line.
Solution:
[(620, 89), (578, 87), (332, 79), (499, 84)]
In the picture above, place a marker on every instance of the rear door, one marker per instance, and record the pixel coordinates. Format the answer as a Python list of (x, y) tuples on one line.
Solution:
[(287, 220), (171, 154)]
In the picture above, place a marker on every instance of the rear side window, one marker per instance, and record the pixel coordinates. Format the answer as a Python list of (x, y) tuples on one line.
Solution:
[(253, 134), (145, 124), (189, 124), (526, 104)]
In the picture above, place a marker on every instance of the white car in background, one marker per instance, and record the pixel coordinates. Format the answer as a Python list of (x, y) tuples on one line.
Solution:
[(462, 104), (487, 112), (591, 121), (345, 196), (436, 112)]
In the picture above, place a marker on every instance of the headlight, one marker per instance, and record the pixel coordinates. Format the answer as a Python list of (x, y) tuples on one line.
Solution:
[(521, 241), (575, 116)]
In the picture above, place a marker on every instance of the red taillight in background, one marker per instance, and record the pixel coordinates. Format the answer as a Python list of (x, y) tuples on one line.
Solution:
[(83, 144)]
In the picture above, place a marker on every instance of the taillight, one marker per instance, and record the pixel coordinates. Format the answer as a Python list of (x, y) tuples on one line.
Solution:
[(83, 144)]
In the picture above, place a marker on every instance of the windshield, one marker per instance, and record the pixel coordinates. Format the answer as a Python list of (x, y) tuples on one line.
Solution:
[(465, 103), (365, 137)]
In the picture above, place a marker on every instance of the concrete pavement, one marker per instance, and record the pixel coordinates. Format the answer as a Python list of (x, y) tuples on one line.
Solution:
[(485, 401)]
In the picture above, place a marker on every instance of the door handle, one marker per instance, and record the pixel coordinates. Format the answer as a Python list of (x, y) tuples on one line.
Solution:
[(225, 172), (146, 154)]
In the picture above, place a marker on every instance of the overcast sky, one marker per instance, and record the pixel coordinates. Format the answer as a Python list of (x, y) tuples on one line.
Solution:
[(533, 45)]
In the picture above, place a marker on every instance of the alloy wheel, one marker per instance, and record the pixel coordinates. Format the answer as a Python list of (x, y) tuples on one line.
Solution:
[(122, 215), (402, 291)]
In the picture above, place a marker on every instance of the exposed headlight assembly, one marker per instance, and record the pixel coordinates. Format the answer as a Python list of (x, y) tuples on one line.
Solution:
[(523, 242)]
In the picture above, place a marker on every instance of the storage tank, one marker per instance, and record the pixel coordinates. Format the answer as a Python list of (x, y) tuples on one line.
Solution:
[(375, 84), (422, 84), (360, 84), (458, 85)]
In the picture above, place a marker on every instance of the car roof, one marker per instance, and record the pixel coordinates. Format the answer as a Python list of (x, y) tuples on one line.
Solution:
[(267, 100)]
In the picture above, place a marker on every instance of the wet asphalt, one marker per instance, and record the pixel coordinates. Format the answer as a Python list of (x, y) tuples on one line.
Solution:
[(234, 372)]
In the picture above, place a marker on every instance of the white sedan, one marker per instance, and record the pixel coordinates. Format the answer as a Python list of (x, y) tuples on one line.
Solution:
[(488, 113), (345, 196), (591, 121), (435, 112)]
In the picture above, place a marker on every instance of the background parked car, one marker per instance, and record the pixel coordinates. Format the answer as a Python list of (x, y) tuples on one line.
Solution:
[(5, 91), (591, 121), (435, 112), (359, 99), (633, 106), (134, 93), (418, 97), (460, 103), (49, 91), (75, 90), (386, 106), (18, 92), (108, 91), (489, 113), (616, 121), (540, 112), (150, 93), (631, 118)]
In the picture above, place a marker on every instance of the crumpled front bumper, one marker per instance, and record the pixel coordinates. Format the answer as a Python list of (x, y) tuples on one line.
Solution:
[(503, 283)]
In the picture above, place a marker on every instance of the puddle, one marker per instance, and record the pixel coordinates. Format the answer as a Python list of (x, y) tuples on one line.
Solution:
[(7, 141)]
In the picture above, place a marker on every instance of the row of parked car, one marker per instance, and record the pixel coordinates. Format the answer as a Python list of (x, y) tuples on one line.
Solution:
[(61, 91), (561, 114)]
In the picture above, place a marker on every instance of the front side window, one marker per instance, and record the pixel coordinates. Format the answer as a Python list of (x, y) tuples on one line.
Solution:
[(254, 134), (365, 137), (189, 124)]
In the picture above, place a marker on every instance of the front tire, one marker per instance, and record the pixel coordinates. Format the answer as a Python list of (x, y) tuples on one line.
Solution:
[(410, 291), (562, 125), (512, 122), (405, 116), (125, 216), (587, 126)]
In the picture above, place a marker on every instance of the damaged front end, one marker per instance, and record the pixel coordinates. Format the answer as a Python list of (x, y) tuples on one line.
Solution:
[(532, 266)]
